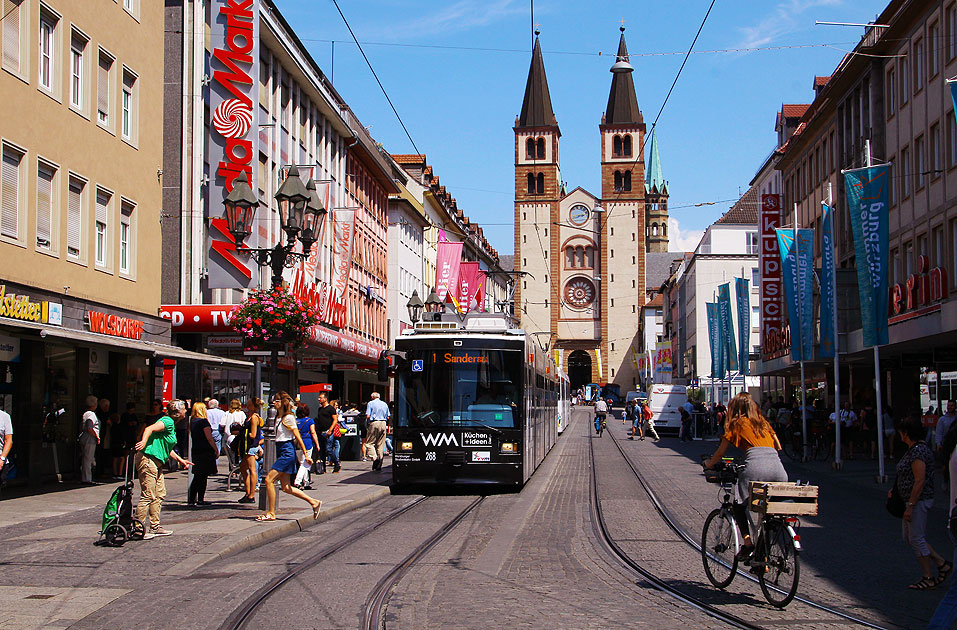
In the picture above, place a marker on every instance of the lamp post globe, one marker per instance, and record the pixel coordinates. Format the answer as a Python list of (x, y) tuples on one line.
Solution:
[(292, 197), (415, 306), (432, 303), (241, 204)]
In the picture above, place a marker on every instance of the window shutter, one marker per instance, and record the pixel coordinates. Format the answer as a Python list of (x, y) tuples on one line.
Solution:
[(11, 34), (74, 218), (102, 207), (103, 88), (9, 185), (45, 206)]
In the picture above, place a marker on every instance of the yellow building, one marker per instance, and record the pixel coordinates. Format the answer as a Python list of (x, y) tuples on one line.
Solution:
[(81, 127)]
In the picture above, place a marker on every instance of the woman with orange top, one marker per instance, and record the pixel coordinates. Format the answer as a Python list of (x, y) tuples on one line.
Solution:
[(748, 430)]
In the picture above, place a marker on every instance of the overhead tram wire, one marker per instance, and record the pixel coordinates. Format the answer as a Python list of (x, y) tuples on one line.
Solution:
[(381, 87)]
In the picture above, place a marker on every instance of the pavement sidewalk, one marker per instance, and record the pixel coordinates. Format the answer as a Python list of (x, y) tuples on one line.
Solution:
[(67, 517)]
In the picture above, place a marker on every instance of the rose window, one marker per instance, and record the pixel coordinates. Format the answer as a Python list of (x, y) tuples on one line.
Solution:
[(579, 292)]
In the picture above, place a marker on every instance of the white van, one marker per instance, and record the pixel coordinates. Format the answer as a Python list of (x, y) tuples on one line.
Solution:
[(664, 402)]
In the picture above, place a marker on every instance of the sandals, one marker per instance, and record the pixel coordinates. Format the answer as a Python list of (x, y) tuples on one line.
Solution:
[(262, 518), (924, 584), (944, 570), (315, 510)]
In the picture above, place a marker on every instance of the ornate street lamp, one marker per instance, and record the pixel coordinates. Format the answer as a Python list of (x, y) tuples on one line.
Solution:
[(241, 204), (292, 197), (313, 219), (415, 306), (433, 304)]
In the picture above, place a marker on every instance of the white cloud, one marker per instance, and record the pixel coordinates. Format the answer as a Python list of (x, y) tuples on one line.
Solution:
[(783, 19), (456, 17), (682, 240)]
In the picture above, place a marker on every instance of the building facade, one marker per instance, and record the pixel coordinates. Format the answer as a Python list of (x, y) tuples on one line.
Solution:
[(246, 95), (80, 196), (583, 255)]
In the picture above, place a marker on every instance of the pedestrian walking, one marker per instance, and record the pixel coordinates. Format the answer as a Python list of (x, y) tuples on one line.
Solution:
[(648, 419), (326, 417), (6, 439), (946, 612), (307, 429), (216, 418), (943, 424), (203, 454), (915, 483), (287, 439), (89, 438), (156, 446), (377, 415), (249, 449), (632, 414)]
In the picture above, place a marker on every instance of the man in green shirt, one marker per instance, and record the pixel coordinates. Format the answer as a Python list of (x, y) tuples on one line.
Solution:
[(155, 447)]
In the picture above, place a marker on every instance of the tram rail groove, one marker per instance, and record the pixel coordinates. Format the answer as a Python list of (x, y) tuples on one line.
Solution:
[(241, 616), (673, 524), (372, 611), (601, 529)]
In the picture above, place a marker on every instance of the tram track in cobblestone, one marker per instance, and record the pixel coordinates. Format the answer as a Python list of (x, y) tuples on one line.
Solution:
[(690, 540), (242, 615), (605, 536), (372, 611)]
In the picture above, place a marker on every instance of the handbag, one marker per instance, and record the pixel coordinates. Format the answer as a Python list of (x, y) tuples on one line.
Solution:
[(897, 506), (336, 430)]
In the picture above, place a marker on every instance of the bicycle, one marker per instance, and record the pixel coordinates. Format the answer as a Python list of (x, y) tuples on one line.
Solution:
[(601, 423), (775, 557)]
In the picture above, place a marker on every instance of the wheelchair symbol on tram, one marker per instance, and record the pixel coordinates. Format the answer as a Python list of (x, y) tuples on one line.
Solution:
[(417, 365)]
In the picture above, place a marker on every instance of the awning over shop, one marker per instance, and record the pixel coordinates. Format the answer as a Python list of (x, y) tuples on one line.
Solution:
[(159, 350)]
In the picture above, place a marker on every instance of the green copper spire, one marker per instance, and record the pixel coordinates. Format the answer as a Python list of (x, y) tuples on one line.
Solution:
[(655, 180)]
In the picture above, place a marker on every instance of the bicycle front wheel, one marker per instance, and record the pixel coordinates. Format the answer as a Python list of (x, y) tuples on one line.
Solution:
[(719, 548), (782, 567)]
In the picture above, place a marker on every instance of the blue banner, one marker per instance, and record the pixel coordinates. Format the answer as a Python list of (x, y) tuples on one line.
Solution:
[(953, 93), (797, 259), (743, 292), (828, 283), (714, 338), (867, 203), (728, 352)]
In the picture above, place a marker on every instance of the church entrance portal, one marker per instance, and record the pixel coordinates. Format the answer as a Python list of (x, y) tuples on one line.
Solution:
[(579, 369)]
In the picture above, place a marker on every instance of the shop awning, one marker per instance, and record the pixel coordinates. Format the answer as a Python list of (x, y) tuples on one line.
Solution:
[(160, 350)]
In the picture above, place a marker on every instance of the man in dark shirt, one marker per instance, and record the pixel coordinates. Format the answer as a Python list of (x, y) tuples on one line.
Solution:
[(326, 417)]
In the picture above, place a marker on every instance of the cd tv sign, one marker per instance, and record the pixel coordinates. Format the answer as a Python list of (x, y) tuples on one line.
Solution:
[(234, 130)]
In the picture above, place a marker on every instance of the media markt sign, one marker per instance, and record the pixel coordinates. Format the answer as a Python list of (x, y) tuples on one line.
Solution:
[(234, 130)]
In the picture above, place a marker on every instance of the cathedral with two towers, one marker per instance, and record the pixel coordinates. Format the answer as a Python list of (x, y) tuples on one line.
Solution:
[(584, 255)]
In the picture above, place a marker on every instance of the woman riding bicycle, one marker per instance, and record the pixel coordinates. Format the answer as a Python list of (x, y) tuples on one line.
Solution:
[(748, 430)]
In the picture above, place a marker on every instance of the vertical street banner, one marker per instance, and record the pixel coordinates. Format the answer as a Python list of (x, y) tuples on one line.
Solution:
[(769, 261), (233, 134), (717, 364), (471, 281), (728, 352), (742, 292), (343, 238), (663, 367), (448, 259), (797, 260), (828, 271), (867, 202), (598, 363), (953, 92)]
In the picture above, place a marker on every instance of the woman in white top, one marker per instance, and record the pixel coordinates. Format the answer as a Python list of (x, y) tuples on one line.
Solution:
[(287, 438), (235, 415)]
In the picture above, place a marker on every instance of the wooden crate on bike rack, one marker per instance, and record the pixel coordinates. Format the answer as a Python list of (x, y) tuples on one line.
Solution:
[(776, 498)]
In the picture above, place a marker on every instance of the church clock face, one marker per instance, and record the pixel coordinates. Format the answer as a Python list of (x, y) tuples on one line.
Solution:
[(579, 292), (579, 215)]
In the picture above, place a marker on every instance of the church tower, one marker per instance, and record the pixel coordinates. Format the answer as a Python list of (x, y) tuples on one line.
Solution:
[(622, 231), (537, 194), (656, 201)]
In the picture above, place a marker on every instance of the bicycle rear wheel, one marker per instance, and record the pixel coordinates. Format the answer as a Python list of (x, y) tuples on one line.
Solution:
[(782, 568), (719, 548)]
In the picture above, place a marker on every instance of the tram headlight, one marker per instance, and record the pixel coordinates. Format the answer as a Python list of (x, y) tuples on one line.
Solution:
[(405, 446), (509, 447)]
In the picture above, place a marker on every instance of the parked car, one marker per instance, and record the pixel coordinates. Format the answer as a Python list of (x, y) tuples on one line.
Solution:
[(633, 395)]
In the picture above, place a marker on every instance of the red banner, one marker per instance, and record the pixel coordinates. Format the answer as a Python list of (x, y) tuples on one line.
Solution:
[(471, 281), (771, 288), (343, 238), (448, 258)]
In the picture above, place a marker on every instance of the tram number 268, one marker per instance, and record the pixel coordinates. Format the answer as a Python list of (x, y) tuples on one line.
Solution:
[(430, 456)]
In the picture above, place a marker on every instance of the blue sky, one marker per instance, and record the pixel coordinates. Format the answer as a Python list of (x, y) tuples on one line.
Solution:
[(456, 73)]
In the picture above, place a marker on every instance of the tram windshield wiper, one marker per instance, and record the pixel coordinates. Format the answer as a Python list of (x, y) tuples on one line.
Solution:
[(492, 429)]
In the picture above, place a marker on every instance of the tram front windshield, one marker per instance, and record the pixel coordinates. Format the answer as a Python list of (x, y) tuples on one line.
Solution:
[(474, 387)]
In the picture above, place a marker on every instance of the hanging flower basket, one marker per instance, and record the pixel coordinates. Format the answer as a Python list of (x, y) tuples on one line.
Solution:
[(271, 318)]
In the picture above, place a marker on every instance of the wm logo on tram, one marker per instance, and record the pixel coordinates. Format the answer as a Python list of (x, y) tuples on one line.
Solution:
[(439, 439)]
